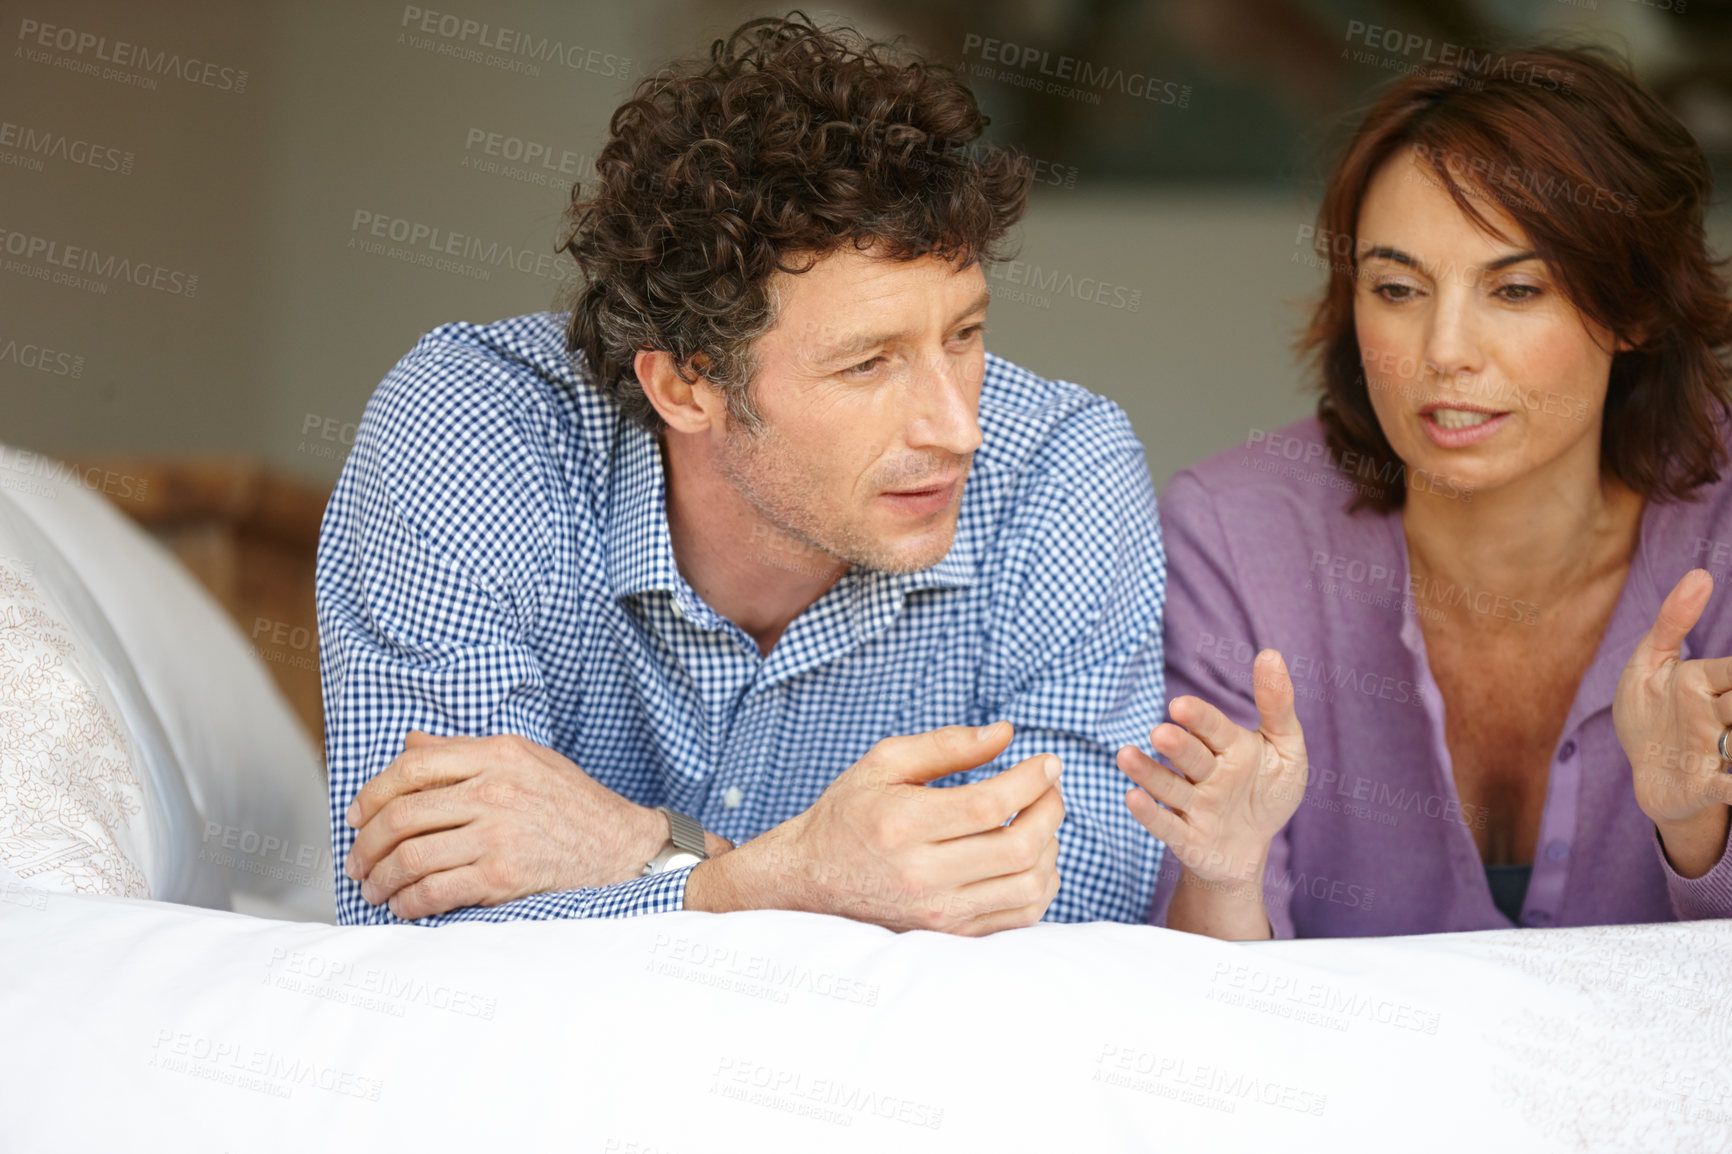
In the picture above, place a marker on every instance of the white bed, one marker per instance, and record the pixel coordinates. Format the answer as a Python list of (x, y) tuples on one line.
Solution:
[(146, 1025), (152, 757)]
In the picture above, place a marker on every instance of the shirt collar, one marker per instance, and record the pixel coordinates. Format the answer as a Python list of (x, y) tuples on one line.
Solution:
[(640, 552)]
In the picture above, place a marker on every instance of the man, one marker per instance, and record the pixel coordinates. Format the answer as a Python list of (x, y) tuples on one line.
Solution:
[(754, 582)]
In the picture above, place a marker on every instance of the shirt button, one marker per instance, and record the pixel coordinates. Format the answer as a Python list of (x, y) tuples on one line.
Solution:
[(1567, 751), (1558, 851), (732, 797), (1538, 918), (679, 610)]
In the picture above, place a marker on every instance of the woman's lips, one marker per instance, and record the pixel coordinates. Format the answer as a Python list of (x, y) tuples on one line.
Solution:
[(1453, 428)]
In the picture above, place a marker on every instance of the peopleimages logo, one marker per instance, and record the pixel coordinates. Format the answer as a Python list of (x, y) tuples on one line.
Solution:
[(429, 245), (41, 358), (1090, 289), (37, 144), (107, 266), (1412, 52), (515, 48), (1029, 59), (123, 54)]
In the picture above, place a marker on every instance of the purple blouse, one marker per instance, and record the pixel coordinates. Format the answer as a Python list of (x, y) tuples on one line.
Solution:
[(1261, 552)]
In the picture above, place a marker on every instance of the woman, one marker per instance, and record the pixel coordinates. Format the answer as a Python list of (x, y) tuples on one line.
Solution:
[(1480, 559)]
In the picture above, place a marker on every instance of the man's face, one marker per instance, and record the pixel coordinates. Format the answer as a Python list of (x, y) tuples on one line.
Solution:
[(868, 388)]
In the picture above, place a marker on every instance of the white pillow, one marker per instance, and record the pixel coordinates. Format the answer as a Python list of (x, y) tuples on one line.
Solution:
[(70, 794), (254, 780), (85, 805)]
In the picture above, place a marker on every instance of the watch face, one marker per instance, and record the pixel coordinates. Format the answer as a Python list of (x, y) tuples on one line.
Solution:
[(672, 857)]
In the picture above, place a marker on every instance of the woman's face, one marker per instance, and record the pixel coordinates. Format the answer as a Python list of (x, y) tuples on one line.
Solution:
[(1481, 372)]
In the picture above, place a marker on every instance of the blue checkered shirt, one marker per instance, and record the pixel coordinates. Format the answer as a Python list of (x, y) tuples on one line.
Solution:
[(496, 559)]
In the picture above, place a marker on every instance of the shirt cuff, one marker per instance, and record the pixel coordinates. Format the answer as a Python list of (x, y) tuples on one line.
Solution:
[(1709, 896), (658, 893)]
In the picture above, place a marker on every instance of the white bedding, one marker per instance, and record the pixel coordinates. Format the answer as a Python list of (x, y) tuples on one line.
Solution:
[(230, 805), (136, 1025)]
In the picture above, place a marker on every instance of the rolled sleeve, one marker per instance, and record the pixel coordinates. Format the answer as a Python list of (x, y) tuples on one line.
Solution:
[(1708, 896), (1077, 670), (427, 596)]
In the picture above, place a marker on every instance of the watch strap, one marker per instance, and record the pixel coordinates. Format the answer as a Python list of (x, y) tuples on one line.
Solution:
[(685, 838), (685, 833)]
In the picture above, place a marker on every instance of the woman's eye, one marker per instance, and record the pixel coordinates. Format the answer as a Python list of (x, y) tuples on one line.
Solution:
[(1519, 292), (1394, 293)]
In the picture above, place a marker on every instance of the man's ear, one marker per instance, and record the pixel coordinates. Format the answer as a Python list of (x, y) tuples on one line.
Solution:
[(688, 406)]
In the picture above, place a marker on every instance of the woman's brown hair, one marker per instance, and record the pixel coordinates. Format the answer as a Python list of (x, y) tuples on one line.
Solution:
[(1610, 188)]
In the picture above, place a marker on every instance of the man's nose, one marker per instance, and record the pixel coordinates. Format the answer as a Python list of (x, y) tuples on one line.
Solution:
[(947, 409)]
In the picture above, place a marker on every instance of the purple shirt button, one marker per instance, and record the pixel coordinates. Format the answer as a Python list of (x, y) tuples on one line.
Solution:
[(1568, 751), (1538, 918), (1558, 851)]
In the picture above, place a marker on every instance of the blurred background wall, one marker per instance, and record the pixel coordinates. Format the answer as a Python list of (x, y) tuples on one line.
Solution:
[(188, 263)]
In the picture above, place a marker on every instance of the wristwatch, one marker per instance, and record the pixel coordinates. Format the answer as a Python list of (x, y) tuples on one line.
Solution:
[(685, 845)]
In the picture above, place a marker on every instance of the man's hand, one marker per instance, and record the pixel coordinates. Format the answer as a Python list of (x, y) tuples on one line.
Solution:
[(480, 821), (881, 846), (1669, 714)]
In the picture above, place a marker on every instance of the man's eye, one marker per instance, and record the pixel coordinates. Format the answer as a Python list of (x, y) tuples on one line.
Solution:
[(864, 367)]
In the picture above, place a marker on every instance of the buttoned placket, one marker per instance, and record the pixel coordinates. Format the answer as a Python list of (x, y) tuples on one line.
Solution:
[(1549, 873), (741, 718), (724, 663), (1556, 842), (1464, 859)]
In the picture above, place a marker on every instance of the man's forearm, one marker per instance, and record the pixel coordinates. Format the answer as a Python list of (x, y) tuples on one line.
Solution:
[(722, 884), (543, 826), (708, 889)]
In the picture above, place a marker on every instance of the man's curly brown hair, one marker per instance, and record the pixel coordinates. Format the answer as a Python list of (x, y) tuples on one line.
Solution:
[(788, 143)]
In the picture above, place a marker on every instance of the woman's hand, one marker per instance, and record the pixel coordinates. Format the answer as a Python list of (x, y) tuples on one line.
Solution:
[(1236, 792), (1669, 714)]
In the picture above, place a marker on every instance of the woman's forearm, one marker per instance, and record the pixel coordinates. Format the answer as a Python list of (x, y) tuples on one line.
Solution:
[(1694, 846), (1230, 910)]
